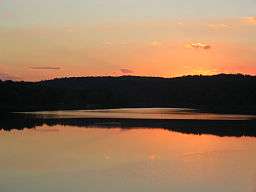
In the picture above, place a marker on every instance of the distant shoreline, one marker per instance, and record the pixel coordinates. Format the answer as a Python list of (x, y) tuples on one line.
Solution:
[(223, 93), (222, 128)]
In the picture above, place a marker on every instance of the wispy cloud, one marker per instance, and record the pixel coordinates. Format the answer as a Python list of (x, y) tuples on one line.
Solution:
[(108, 44), (155, 43), (219, 26), (249, 20), (111, 44), (198, 46), (181, 24), (46, 68), (5, 76), (126, 71)]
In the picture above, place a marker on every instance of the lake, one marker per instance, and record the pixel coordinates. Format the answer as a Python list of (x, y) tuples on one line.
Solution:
[(127, 150)]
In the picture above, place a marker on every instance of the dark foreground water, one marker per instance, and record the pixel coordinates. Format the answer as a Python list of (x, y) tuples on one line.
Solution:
[(127, 150)]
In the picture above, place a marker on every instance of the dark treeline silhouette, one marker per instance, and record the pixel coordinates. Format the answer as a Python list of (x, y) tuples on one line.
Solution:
[(219, 93), (235, 128)]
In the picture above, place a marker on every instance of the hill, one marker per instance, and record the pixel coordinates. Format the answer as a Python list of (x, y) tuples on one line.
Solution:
[(225, 93)]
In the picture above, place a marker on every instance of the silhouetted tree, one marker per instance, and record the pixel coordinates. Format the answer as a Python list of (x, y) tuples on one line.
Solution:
[(218, 93)]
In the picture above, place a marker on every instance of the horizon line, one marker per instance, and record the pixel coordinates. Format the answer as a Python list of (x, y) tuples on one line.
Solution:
[(136, 76)]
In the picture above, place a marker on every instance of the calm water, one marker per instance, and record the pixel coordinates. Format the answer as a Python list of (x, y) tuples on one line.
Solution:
[(60, 157), (142, 113)]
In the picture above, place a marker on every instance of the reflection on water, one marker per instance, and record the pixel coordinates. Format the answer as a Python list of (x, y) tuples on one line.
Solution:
[(179, 120), (142, 113), (127, 150), (67, 158)]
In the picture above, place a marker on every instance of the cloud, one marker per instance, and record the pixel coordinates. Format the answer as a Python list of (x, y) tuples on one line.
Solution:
[(249, 20), (69, 29), (198, 46), (155, 43), (180, 24), (46, 68), (219, 26), (126, 71), (107, 44), (5, 76), (111, 44)]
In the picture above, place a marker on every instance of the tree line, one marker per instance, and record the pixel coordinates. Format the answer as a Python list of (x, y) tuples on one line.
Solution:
[(223, 93)]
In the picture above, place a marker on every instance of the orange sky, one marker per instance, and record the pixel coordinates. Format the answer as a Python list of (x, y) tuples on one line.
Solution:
[(166, 46)]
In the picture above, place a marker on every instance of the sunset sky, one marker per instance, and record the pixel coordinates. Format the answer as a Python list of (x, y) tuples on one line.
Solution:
[(57, 38)]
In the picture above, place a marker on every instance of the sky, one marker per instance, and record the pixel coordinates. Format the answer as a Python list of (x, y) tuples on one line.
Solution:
[(168, 38)]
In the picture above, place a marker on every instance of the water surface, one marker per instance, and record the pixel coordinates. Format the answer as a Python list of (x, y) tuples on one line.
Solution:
[(142, 113), (131, 155)]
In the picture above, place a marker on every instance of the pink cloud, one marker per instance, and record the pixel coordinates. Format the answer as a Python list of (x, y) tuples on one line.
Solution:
[(198, 46), (46, 68), (126, 71), (5, 76), (249, 20)]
